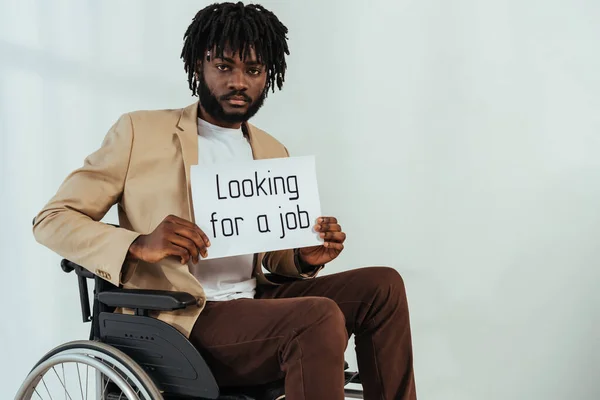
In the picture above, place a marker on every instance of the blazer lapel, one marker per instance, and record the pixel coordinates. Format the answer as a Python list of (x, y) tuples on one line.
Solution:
[(258, 152), (187, 134)]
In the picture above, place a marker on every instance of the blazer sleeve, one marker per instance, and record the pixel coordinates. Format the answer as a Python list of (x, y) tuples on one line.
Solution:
[(287, 263), (69, 223)]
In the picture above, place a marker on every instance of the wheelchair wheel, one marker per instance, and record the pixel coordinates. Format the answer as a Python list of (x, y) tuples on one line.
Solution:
[(87, 370)]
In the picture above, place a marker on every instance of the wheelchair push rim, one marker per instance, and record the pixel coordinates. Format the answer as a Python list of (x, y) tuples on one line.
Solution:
[(106, 366)]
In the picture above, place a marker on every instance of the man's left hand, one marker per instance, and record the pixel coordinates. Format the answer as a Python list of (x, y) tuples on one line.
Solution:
[(331, 232)]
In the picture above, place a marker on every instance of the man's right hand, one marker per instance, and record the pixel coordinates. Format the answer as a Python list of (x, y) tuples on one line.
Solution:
[(174, 236)]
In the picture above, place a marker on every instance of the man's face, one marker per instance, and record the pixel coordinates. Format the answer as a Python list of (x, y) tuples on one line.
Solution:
[(231, 91)]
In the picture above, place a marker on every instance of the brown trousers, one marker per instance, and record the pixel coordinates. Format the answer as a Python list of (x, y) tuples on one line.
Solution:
[(300, 330)]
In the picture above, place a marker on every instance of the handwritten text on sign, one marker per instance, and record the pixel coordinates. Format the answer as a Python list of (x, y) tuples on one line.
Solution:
[(257, 206)]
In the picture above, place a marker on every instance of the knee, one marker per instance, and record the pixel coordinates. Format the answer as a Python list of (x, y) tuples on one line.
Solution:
[(326, 318), (319, 335), (384, 286), (385, 277), (328, 311)]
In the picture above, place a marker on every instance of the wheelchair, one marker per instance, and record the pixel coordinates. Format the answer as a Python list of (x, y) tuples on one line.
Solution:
[(136, 357)]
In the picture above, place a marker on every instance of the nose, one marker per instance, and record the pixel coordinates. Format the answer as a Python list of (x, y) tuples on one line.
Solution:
[(237, 80)]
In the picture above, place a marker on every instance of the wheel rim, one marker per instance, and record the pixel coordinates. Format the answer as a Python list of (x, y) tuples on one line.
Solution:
[(51, 380)]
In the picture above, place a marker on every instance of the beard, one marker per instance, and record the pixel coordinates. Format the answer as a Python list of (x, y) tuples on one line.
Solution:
[(213, 106)]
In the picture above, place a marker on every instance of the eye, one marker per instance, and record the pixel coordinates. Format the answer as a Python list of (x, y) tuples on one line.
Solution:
[(223, 67), (254, 71)]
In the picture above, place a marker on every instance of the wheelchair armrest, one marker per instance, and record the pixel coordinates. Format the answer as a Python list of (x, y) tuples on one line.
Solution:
[(69, 266), (159, 300)]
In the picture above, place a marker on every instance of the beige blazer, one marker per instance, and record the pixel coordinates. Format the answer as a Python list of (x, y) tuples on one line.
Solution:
[(143, 166)]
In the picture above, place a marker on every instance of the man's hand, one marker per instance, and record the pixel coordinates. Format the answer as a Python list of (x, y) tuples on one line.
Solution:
[(174, 236), (331, 232)]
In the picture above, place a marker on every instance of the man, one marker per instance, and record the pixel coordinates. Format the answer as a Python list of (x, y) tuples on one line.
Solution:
[(250, 330)]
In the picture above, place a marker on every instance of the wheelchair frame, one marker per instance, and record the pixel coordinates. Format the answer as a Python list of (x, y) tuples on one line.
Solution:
[(157, 349)]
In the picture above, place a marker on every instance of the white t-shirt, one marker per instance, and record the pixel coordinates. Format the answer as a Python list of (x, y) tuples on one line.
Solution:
[(230, 277)]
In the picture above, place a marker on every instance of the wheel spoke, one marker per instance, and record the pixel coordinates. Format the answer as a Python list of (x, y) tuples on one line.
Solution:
[(79, 380), (87, 368), (63, 385), (105, 387), (64, 378), (44, 382), (36, 392)]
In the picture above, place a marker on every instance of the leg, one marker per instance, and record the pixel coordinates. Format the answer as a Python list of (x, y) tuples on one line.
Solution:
[(373, 301), (251, 341)]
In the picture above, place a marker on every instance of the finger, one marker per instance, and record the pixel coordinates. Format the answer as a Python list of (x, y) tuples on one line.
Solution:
[(338, 237), (192, 235), (327, 220), (189, 245), (185, 243), (334, 246), (328, 228), (183, 253), (203, 236), (191, 226)]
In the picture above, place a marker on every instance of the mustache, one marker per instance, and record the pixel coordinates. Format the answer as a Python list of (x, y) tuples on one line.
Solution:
[(236, 93)]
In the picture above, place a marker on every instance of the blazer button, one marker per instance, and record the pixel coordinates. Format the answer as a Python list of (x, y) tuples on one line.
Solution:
[(103, 274)]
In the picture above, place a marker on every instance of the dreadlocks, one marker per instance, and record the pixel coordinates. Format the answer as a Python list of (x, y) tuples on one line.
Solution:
[(238, 28)]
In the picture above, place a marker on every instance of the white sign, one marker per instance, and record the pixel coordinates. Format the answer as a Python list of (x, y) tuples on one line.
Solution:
[(257, 206)]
